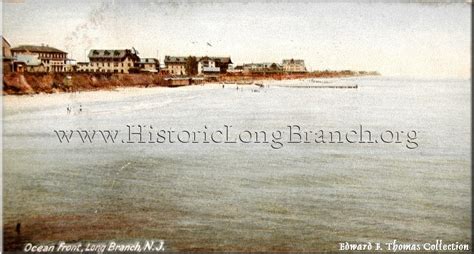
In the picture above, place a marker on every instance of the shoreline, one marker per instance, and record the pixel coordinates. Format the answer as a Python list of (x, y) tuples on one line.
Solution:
[(52, 83)]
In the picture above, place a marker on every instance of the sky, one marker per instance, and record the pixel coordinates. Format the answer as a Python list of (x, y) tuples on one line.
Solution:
[(396, 39)]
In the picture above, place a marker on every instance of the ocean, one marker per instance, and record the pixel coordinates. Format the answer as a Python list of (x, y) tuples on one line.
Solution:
[(243, 196)]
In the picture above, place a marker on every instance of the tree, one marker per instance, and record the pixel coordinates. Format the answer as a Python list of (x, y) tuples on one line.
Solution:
[(191, 66)]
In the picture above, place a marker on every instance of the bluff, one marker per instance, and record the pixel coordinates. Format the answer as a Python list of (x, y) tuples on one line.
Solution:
[(30, 83)]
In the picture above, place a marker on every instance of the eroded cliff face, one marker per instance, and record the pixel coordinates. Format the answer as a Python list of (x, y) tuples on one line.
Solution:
[(16, 84), (30, 83)]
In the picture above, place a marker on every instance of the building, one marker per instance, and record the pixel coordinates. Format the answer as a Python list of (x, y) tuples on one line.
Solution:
[(6, 48), (82, 67), (222, 63), (7, 58), (178, 81), (29, 63), (71, 65), (149, 65), (236, 69), (53, 59), (207, 66), (261, 67), (293, 65), (111, 60), (176, 65)]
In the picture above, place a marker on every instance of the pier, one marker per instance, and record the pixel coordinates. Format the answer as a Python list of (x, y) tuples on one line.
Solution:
[(326, 86)]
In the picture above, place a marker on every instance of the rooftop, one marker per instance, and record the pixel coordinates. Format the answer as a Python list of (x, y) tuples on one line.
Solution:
[(110, 53), (28, 60), (182, 59), (175, 59), (148, 60), (33, 48), (5, 41), (217, 59), (296, 61)]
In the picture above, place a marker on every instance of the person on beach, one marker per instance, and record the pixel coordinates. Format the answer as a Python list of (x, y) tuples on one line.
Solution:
[(80, 108), (68, 110)]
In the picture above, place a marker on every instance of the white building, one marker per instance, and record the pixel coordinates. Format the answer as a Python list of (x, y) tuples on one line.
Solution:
[(235, 69), (294, 65), (71, 65), (53, 59), (207, 66), (261, 67), (29, 63)]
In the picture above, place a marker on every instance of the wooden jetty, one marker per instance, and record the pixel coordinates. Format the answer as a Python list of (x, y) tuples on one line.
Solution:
[(325, 86)]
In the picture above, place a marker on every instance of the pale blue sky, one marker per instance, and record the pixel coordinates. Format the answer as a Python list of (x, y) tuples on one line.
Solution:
[(411, 40)]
